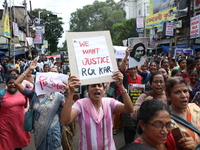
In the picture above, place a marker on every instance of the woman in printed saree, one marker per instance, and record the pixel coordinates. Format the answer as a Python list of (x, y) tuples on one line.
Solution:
[(47, 107)]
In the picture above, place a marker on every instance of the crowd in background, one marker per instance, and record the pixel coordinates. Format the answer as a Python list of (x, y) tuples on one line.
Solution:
[(171, 84)]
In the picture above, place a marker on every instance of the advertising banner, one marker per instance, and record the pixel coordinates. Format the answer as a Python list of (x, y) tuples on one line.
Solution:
[(184, 50), (194, 27), (196, 7), (40, 28), (156, 20), (140, 22), (38, 38), (6, 24), (45, 43), (169, 29), (15, 29), (157, 6)]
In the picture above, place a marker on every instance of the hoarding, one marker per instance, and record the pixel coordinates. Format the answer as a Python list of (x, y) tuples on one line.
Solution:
[(194, 27), (140, 22), (169, 29), (156, 20)]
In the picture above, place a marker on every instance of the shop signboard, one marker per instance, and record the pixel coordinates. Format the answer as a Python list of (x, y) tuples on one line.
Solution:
[(194, 27)]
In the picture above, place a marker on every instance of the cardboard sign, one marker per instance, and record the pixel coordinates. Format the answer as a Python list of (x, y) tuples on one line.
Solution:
[(92, 56), (135, 90), (50, 82), (139, 50), (120, 51), (184, 50)]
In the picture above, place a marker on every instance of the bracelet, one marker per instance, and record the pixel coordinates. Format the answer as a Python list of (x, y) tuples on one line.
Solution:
[(24, 74), (124, 91)]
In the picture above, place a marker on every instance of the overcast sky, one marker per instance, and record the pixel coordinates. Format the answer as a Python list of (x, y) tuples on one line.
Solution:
[(63, 7)]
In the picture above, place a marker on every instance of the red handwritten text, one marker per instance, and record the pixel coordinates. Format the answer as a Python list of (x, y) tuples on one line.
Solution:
[(91, 51), (84, 44), (49, 83), (96, 60)]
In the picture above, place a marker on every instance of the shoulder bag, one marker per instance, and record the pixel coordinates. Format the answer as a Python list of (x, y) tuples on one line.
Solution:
[(29, 116), (187, 124)]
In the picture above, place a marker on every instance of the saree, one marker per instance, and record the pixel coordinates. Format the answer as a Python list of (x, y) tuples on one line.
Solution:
[(47, 128)]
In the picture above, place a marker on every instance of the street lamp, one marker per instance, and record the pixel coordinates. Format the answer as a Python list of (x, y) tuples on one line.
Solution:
[(39, 16)]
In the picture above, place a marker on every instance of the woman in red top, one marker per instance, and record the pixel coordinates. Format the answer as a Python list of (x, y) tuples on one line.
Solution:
[(155, 126), (133, 77), (12, 135)]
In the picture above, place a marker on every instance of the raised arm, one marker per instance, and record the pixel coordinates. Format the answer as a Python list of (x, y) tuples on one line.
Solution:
[(127, 107), (19, 80), (139, 70), (122, 66), (69, 114)]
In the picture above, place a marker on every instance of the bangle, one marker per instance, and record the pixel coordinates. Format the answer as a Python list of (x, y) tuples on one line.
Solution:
[(24, 74), (124, 91)]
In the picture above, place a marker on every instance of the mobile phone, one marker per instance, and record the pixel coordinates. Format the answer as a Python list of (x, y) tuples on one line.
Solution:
[(177, 134)]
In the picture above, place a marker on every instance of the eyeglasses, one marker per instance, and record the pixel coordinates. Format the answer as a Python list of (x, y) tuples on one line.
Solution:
[(160, 126), (156, 82)]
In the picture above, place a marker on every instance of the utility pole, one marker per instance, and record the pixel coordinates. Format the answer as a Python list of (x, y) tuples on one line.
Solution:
[(27, 26), (145, 19)]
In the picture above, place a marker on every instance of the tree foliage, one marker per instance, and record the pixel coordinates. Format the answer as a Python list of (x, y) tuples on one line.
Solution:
[(97, 17), (64, 46), (122, 31), (53, 27)]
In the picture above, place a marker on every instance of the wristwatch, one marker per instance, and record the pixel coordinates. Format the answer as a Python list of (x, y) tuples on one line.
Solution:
[(124, 91)]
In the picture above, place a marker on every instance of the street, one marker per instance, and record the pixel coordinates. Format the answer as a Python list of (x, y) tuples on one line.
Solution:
[(118, 138)]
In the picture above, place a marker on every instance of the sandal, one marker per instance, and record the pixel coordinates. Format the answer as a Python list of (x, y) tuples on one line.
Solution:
[(114, 131)]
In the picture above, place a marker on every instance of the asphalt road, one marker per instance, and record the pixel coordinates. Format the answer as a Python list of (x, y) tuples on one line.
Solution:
[(119, 138)]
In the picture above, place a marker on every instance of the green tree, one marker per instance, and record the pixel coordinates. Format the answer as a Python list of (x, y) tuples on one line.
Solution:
[(64, 46), (53, 27), (122, 31), (97, 17)]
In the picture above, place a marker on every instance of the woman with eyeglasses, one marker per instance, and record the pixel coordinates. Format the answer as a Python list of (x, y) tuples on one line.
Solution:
[(157, 83), (154, 126), (153, 68), (178, 96)]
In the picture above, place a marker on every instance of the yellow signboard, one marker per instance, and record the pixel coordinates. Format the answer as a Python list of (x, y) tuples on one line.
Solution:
[(6, 25), (156, 20)]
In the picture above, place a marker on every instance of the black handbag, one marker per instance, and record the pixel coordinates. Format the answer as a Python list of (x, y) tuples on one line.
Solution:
[(29, 116)]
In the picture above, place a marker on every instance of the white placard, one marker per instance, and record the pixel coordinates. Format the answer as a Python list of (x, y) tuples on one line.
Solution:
[(92, 56), (50, 82), (120, 51)]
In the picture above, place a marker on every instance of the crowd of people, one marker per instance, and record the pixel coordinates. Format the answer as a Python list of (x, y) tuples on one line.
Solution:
[(102, 109)]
